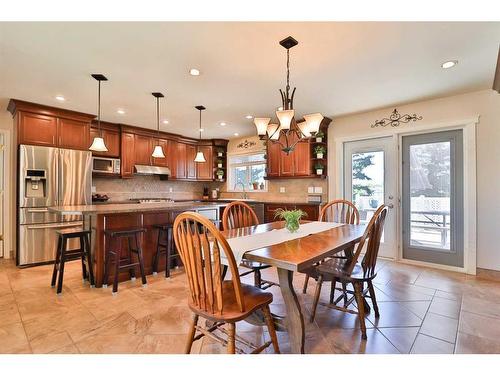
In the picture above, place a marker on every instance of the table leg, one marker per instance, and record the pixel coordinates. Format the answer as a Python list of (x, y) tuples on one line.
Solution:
[(294, 319)]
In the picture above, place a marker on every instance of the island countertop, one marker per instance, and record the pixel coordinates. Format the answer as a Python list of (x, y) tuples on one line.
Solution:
[(96, 209)]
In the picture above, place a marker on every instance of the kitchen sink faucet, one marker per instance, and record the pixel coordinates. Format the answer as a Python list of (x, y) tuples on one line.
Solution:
[(245, 195)]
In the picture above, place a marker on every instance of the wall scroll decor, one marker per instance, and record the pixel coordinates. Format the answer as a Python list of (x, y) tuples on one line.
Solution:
[(396, 119), (246, 144)]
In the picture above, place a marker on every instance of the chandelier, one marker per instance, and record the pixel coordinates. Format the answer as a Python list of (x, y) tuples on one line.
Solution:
[(288, 132)]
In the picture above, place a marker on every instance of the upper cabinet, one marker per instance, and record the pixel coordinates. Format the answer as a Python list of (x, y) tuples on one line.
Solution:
[(143, 149), (47, 126), (111, 136), (205, 171), (128, 154), (302, 161), (190, 163), (164, 144)]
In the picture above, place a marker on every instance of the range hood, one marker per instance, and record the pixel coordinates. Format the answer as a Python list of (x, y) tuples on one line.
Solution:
[(149, 170)]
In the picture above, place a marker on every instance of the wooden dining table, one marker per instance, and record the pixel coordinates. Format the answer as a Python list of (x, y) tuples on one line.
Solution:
[(295, 256)]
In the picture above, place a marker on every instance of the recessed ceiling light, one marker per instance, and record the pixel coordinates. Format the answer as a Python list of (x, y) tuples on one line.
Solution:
[(165, 121), (222, 124), (120, 111), (194, 72), (236, 134), (60, 98), (249, 117), (449, 64), (202, 129), (280, 108)]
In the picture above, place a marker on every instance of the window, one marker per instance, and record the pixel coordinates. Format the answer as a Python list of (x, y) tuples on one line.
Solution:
[(246, 172)]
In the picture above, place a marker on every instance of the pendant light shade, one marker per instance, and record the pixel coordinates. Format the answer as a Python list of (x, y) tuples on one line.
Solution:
[(200, 158), (304, 129), (158, 150), (313, 122), (98, 144), (285, 118), (261, 125), (273, 131)]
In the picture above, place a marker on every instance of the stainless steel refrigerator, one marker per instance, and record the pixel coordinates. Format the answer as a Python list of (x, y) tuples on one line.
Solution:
[(48, 176)]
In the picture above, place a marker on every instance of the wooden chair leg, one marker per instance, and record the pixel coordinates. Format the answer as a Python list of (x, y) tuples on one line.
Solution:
[(56, 263), (306, 282), (157, 253), (85, 274), (61, 266), (374, 300), (192, 332), (358, 292), (168, 263), (117, 270), (231, 344), (141, 260), (316, 297), (107, 262), (131, 270), (272, 330), (88, 255), (257, 278), (344, 290), (332, 290)]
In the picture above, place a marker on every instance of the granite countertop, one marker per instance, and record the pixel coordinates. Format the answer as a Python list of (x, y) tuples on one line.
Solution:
[(249, 200), (134, 207)]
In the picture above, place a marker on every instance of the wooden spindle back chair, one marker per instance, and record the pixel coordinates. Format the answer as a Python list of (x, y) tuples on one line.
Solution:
[(337, 211), (203, 249), (240, 215)]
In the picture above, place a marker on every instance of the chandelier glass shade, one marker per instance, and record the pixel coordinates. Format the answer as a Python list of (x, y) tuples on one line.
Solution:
[(288, 132)]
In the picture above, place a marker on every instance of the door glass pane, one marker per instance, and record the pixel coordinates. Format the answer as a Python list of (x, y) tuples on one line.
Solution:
[(430, 195), (257, 175), (367, 182)]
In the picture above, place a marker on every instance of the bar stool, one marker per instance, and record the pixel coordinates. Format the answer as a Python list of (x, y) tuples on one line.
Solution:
[(165, 245), (64, 255), (115, 250)]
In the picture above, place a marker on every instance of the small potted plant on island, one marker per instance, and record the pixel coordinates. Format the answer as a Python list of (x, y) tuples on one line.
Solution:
[(220, 174), (319, 151), (319, 168), (292, 218), (319, 136)]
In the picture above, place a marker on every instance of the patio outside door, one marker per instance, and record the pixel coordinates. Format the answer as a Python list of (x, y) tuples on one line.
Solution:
[(432, 198), (370, 179)]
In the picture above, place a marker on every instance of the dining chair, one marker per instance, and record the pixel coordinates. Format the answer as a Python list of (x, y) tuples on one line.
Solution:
[(239, 215), (202, 249), (337, 211), (349, 270)]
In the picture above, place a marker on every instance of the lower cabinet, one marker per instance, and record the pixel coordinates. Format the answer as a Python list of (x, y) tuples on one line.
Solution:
[(312, 210)]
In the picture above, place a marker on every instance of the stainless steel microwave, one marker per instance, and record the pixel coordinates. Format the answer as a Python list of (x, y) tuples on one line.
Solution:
[(105, 165)]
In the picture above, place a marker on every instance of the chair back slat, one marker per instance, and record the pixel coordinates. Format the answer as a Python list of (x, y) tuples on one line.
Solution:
[(238, 215), (200, 246), (340, 211), (371, 238)]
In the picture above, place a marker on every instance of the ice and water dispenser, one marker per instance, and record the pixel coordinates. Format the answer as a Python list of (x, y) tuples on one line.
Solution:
[(35, 183)]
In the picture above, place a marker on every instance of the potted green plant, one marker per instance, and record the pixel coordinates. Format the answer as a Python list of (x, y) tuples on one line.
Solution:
[(319, 136), (220, 174), (292, 218), (319, 168), (319, 151)]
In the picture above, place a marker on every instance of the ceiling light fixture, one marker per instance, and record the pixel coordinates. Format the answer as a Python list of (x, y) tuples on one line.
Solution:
[(222, 124), (449, 64), (249, 117), (200, 158), (158, 150), (288, 127), (194, 72), (165, 122), (120, 111), (236, 134), (98, 144), (60, 98)]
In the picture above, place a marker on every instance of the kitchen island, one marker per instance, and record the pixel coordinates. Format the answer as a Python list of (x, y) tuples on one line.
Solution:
[(100, 217)]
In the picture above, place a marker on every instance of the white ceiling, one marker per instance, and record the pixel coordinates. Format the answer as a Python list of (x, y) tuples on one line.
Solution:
[(338, 68)]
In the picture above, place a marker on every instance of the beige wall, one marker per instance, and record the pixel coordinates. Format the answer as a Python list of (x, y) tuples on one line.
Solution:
[(486, 105), (295, 189)]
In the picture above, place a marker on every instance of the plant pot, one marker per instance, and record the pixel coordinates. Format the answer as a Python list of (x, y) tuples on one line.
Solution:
[(220, 177), (219, 165), (319, 139), (319, 155), (319, 172), (255, 185), (219, 154)]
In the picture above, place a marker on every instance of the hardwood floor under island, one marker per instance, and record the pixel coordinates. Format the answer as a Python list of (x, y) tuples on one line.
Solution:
[(101, 219)]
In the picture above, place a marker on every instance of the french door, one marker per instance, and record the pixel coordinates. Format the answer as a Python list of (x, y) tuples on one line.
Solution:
[(432, 198), (370, 179)]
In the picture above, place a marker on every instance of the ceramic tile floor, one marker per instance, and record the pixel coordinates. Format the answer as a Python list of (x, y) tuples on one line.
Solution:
[(422, 311)]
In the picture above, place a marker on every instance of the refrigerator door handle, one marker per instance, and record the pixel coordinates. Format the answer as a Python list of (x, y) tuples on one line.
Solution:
[(58, 225), (38, 210)]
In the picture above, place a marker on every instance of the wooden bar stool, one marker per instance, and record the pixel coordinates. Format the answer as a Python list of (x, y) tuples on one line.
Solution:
[(64, 255), (114, 249), (165, 244)]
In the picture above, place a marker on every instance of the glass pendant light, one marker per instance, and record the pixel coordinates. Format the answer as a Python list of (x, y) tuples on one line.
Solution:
[(158, 150), (285, 118), (273, 131), (200, 158), (261, 125), (313, 122), (98, 144), (304, 129)]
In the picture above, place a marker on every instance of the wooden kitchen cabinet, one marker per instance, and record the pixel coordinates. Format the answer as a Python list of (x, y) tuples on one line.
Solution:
[(273, 159), (73, 134), (35, 129), (312, 210), (111, 139), (162, 162), (205, 171), (143, 149), (287, 161), (302, 159), (190, 163), (127, 155), (180, 158)]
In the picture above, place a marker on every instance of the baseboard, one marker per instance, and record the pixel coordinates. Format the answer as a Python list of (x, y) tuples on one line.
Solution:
[(488, 274)]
